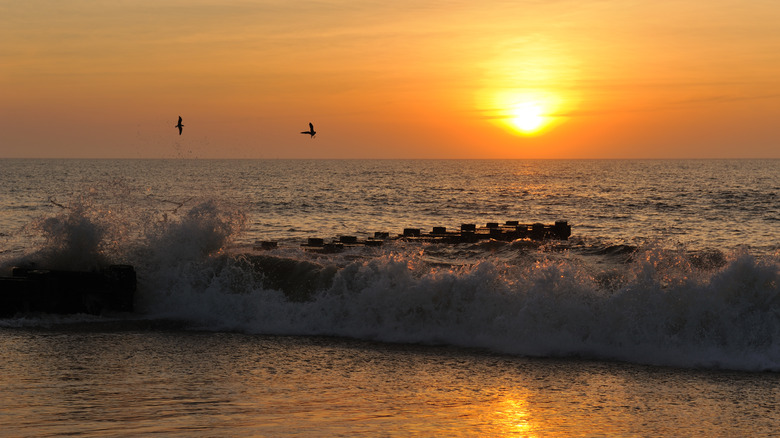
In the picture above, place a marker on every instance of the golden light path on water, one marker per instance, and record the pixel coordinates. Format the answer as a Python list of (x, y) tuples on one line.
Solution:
[(182, 383)]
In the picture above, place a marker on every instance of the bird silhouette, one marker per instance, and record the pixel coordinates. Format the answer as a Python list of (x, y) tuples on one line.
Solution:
[(311, 130), (179, 125)]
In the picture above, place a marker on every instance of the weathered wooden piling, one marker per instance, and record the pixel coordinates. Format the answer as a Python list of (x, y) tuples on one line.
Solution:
[(350, 240), (315, 241), (265, 244), (468, 233)]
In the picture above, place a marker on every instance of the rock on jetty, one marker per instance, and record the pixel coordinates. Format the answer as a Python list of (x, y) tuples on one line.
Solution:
[(32, 290), (468, 233)]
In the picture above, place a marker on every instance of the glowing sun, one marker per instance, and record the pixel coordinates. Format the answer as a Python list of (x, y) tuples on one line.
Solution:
[(527, 117), (527, 113)]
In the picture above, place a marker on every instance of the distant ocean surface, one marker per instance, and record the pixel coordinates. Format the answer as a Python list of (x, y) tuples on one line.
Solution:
[(660, 315)]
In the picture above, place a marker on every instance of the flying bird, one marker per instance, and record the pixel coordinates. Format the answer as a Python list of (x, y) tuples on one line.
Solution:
[(179, 125), (311, 130)]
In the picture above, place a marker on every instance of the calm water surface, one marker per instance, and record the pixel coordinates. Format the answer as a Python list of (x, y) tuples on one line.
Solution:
[(129, 383)]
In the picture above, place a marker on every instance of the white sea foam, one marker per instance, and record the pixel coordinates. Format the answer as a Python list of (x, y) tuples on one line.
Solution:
[(659, 308)]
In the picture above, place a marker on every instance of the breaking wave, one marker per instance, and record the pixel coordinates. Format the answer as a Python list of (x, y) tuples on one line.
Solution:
[(641, 304)]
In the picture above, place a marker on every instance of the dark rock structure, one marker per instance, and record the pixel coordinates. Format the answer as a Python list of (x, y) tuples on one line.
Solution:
[(33, 290), (468, 233)]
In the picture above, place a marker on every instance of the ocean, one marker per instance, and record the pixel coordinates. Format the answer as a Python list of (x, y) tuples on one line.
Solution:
[(660, 315)]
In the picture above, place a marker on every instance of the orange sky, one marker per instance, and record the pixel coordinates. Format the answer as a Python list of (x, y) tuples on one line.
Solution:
[(402, 79)]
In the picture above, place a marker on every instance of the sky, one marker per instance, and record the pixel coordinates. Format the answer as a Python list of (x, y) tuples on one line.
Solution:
[(520, 79)]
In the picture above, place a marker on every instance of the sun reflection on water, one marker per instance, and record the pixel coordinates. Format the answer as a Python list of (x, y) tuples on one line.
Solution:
[(514, 419)]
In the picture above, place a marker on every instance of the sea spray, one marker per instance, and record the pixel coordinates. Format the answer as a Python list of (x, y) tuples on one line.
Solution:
[(114, 222), (82, 236), (178, 253), (663, 312)]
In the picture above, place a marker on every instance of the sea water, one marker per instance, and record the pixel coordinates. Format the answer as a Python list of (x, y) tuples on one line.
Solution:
[(658, 316)]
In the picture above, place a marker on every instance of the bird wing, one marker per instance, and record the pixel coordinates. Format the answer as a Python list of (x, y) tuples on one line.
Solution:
[(179, 130), (311, 127), (180, 120)]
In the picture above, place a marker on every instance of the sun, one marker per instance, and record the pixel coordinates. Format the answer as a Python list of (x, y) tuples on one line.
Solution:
[(527, 113), (523, 112), (528, 117), (528, 89)]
